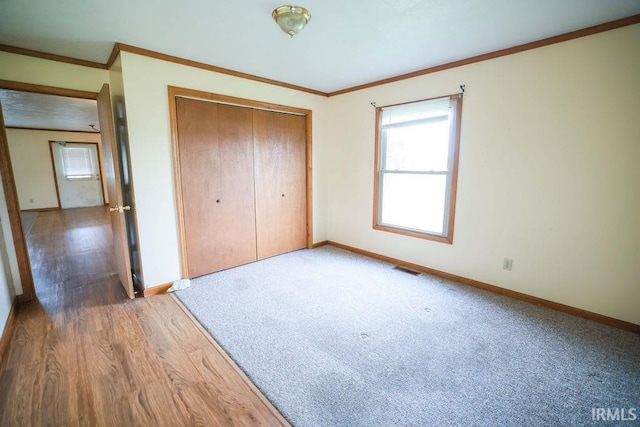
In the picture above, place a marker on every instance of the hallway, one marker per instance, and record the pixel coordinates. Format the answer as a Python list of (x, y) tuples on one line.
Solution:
[(84, 354), (71, 249)]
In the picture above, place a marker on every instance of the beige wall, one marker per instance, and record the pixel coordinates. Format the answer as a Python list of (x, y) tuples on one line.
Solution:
[(548, 175), (32, 167), (146, 82), (51, 73), (549, 172)]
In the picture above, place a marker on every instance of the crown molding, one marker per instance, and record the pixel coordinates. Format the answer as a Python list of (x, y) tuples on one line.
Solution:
[(612, 25), (51, 56), (121, 47)]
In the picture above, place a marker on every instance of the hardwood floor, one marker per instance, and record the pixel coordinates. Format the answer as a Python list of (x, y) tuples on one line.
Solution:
[(85, 354)]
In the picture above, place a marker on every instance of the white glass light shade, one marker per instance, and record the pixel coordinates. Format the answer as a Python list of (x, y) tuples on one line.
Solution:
[(291, 19)]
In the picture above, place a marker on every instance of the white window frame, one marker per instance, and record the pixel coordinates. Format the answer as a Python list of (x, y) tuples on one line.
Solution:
[(455, 102)]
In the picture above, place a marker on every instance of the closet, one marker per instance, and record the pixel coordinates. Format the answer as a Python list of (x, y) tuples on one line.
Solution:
[(242, 178)]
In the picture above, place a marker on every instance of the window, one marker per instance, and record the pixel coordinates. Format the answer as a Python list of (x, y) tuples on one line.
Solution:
[(416, 168), (77, 163)]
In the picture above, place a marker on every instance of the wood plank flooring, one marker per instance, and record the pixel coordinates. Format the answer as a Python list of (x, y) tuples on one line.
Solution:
[(84, 354)]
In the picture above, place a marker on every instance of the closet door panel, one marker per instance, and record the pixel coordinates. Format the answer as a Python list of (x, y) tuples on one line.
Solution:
[(280, 165), (216, 168)]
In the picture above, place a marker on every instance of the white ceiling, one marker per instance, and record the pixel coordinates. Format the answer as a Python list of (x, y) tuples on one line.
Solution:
[(38, 111), (346, 43)]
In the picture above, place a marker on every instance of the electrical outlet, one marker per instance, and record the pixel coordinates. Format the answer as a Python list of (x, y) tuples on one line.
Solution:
[(507, 264)]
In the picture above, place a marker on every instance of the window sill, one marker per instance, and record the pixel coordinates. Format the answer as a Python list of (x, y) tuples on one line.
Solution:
[(441, 239), (81, 178)]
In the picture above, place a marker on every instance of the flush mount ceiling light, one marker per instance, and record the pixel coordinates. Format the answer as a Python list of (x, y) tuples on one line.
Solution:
[(291, 19)]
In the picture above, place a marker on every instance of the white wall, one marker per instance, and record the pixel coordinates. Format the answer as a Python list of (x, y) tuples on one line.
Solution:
[(146, 82), (12, 273), (7, 288), (549, 172), (32, 167)]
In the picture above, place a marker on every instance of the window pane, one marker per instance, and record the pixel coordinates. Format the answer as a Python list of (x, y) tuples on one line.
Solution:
[(423, 147), (415, 111), (77, 161), (417, 150), (414, 201)]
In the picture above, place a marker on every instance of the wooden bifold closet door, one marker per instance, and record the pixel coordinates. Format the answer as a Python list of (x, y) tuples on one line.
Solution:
[(243, 184), (279, 156), (216, 169)]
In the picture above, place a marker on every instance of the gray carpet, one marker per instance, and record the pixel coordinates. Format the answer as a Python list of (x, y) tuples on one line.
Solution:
[(336, 339), (28, 218)]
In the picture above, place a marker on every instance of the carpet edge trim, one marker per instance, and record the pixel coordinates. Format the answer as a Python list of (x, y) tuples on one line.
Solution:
[(156, 290), (259, 394)]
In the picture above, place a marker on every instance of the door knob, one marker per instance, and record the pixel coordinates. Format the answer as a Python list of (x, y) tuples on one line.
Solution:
[(119, 209)]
